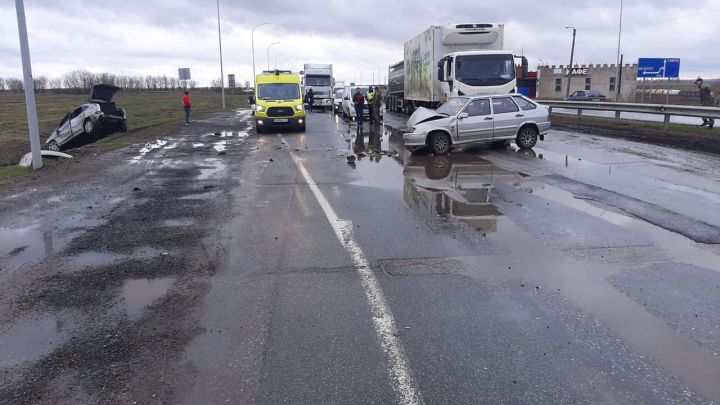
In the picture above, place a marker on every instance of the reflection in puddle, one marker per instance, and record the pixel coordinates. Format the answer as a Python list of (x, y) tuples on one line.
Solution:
[(455, 186), (138, 294), (28, 339), (23, 245), (220, 146), (198, 145)]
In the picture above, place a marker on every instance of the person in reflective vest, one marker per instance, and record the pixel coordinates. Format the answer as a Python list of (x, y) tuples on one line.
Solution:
[(370, 96)]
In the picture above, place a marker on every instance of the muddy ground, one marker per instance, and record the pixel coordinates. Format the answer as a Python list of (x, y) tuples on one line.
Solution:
[(126, 240), (678, 136)]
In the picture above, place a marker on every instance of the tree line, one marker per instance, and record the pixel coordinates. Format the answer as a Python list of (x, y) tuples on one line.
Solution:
[(81, 81)]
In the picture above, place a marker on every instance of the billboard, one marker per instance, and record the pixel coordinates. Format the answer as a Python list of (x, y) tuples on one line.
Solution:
[(660, 68), (231, 81)]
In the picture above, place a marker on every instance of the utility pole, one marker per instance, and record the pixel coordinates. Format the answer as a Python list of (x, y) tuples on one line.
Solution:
[(619, 58), (222, 74), (29, 88), (252, 40), (572, 54)]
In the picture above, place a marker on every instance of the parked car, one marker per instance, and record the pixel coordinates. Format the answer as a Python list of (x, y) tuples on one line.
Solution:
[(338, 100), (99, 115), (348, 108), (586, 95), (478, 119)]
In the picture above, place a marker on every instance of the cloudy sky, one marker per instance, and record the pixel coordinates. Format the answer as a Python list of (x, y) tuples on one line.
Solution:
[(360, 38)]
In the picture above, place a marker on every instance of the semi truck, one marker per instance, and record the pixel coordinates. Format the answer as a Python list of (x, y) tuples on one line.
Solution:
[(319, 78), (451, 60)]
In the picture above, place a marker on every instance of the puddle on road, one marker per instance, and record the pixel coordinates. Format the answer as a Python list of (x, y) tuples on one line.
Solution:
[(149, 147), (210, 168), (30, 338), (141, 293), (198, 145), (179, 222), (220, 146), (93, 259), (24, 245)]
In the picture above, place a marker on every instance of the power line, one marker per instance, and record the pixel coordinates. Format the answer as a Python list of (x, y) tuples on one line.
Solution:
[(715, 10)]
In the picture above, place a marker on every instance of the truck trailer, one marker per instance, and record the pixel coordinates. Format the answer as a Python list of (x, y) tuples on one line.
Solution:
[(319, 78), (448, 61)]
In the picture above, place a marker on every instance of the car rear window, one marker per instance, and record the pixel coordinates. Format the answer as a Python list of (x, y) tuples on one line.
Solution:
[(524, 103)]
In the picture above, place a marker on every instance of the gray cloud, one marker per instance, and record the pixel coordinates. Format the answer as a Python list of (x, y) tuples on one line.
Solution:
[(359, 38)]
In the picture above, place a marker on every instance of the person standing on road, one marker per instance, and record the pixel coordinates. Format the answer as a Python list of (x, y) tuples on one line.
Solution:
[(370, 97), (359, 102), (186, 106), (310, 97), (706, 100), (376, 104)]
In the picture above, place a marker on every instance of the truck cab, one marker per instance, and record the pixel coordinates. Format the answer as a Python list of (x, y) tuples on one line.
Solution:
[(319, 78), (477, 72), (278, 101)]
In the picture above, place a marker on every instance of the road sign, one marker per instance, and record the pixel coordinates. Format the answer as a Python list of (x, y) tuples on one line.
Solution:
[(184, 73), (662, 68), (231, 81)]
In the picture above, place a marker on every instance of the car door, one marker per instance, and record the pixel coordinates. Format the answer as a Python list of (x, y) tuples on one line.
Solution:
[(507, 117), (62, 133), (478, 124), (76, 121)]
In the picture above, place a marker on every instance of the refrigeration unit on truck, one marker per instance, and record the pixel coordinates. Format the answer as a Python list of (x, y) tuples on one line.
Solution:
[(319, 78), (453, 60)]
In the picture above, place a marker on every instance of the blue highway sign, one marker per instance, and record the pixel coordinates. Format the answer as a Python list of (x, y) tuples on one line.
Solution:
[(658, 68)]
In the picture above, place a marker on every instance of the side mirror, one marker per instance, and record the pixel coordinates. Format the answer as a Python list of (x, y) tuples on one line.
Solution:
[(346, 98), (463, 115)]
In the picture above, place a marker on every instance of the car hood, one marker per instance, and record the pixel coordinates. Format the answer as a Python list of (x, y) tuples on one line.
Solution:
[(423, 114), (103, 93)]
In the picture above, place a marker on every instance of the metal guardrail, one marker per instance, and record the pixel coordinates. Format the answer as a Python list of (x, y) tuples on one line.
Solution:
[(661, 109)]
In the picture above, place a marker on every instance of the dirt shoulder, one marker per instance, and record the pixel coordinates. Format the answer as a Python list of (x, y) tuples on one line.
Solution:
[(676, 135)]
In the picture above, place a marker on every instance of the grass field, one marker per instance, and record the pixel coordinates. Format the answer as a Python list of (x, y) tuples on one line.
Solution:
[(149, 114)]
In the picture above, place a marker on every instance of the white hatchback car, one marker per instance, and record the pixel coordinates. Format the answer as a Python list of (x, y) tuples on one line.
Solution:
[(478, 119)]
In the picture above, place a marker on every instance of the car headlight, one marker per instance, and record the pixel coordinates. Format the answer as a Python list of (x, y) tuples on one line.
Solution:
[(259, 108), (299, 107)]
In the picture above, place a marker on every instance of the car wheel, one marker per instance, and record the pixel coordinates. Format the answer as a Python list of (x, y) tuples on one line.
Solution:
[(123, 127), (439, 143), (527, 137), (53, 146), (88, 126)]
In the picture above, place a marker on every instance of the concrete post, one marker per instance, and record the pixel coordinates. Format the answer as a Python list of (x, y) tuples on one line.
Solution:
[(29, 87)]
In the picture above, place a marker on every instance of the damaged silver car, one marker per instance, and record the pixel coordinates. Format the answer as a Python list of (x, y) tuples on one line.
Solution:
[(478, 119), (98, 116)]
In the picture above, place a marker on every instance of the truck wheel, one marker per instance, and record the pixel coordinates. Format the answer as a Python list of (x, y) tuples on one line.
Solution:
[(88, 126), (527, 137), (439, 143), (53, 146)]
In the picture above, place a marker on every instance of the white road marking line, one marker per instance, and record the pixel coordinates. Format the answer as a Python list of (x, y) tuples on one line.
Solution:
[(404, 384)]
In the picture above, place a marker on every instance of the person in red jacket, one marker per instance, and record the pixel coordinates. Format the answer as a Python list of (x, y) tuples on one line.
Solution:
[(187, 106)]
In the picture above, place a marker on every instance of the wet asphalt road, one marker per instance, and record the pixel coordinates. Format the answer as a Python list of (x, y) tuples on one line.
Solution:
[(222, 266)]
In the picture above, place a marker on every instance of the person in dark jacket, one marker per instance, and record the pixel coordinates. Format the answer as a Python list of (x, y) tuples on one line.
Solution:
[(310, 97), (359, 102), (706, 100), (186, 106)]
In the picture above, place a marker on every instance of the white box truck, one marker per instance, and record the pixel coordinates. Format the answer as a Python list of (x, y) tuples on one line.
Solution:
[(319, 78), (453, 60)]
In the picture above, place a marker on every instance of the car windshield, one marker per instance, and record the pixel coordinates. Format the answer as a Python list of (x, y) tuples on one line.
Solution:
[(279, 91), (317, 80), (452, 106), (484, 70), (362, 91), (339, 93)]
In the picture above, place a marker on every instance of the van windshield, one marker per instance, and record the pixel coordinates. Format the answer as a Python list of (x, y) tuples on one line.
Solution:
[(484, 70), (279, 91), (317, 80)]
